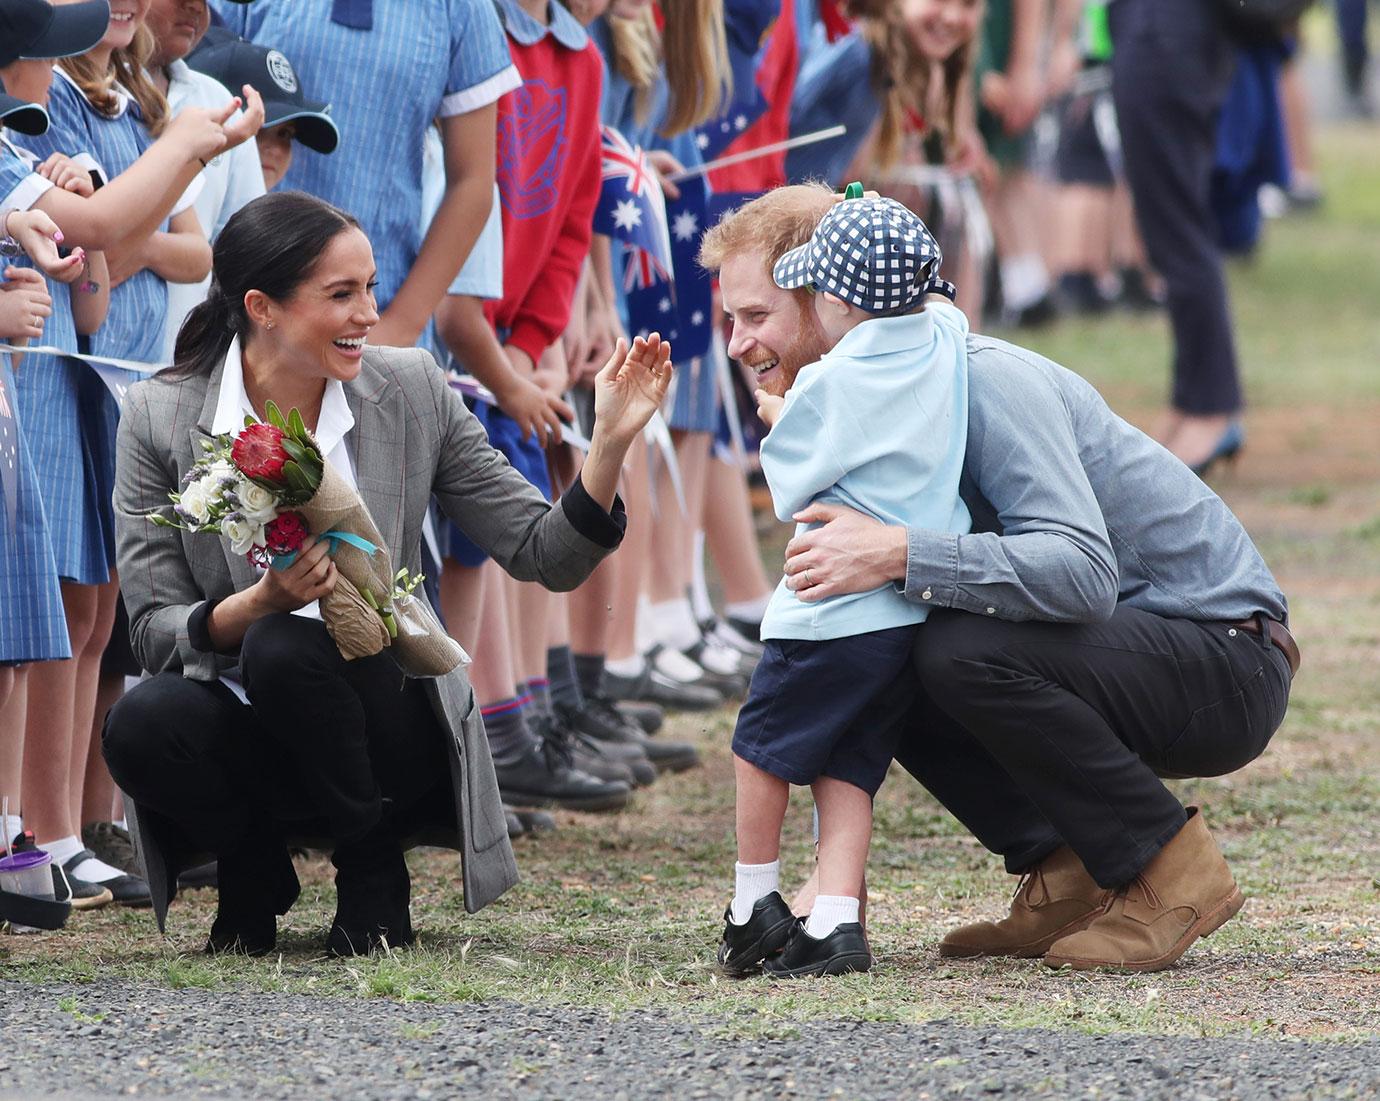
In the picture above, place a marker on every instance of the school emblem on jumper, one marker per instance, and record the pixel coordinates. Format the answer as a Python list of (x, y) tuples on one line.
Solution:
[(280, 69), (531, 129)]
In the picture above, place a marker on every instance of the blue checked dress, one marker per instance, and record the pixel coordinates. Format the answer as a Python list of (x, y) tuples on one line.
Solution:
[(32, 625), (69, 423), (420, 60), (694, 401)]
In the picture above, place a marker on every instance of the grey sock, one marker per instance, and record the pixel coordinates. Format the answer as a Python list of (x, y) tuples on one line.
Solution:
[(589, 670), (565, 684), (539, 688), (510, 738)]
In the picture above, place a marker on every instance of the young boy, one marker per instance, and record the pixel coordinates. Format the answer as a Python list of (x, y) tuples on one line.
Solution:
[(879, 424)]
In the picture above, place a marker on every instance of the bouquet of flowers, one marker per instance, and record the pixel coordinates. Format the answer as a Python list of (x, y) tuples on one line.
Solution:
[(271, 493)]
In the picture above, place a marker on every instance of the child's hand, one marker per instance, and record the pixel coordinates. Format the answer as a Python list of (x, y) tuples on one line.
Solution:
[(632, 386), (67, 175), (39, 237), (24, 304), (768, 406)]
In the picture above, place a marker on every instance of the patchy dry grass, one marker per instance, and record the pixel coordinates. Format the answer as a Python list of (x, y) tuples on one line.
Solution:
[(616, 913)]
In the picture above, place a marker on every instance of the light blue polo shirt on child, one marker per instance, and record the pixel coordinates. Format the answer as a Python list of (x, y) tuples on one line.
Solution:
[(880, 425)]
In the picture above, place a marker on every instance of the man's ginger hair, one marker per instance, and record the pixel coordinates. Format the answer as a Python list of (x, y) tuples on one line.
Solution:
[(768, 227)]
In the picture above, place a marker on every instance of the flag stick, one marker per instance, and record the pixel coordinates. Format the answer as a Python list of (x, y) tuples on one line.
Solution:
[(761, 151)]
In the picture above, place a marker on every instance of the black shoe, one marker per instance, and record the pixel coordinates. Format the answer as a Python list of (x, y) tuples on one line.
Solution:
[(654, 686), (1137, 294), (515, 827), (203, 875), (545, 777), (535, 821), (256, 883), (748, 628), (604, 733), (128, 890), (725, 669), (843, 950), (616, 726), (766, 932), (648, 716), (373, 893), (581, 753), (1079, 293)]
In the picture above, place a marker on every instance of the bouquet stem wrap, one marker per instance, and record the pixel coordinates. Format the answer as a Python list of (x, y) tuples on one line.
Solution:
[(356, 610)]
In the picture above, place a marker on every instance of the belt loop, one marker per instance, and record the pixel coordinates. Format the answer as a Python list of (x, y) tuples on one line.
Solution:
[(1266, 639)]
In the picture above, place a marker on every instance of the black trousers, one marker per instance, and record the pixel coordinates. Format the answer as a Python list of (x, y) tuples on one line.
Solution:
[(1171, 69), (1039, 734), (323, 741)]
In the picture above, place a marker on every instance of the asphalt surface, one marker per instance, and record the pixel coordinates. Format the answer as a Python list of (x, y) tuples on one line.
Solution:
[(116, 1038)]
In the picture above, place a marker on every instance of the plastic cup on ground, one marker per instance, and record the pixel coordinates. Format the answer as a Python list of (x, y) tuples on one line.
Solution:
[(27, 873)]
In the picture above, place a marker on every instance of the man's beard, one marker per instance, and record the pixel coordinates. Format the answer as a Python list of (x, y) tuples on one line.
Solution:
[(808, 344)]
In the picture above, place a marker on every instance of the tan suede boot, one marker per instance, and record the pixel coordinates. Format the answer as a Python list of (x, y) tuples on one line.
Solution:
[(1055, 898), (1184, 893)]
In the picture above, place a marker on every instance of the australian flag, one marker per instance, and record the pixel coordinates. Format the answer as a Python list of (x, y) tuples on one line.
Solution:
[(631, 208)]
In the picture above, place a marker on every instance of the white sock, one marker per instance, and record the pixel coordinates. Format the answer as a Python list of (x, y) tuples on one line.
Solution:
[(91, 870), (751, 882), (1024, 280), (750, 610), (829, 913), (699, 587), (675, 625), (12, 826), (626, 667)]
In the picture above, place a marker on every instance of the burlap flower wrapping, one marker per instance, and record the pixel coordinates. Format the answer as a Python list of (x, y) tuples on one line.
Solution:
[(422, 648)]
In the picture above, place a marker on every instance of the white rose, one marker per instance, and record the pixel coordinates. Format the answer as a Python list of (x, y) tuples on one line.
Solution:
[(223, 470), (243, 533), (259, 505), (195, 500)]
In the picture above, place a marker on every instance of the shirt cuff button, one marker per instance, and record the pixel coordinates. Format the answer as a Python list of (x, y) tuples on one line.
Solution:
[(926, 595)]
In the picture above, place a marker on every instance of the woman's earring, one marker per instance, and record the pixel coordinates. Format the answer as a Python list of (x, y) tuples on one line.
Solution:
[(269, 324)]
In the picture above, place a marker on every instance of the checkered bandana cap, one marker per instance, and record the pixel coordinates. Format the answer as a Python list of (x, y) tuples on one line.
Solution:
[(873, 253)]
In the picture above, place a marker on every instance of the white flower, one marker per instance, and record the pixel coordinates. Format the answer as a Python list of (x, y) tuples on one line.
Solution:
[(243, 533), (258, 505), (195, 500), (223, 471)]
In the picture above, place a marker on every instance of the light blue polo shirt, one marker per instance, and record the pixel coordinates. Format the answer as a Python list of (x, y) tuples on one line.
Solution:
[(880, 425)]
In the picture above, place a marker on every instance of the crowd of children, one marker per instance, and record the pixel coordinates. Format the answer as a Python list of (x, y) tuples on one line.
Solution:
[(471, 139)]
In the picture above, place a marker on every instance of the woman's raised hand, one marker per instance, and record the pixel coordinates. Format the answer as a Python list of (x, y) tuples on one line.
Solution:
[(309, 578), (207, 132), (632, 386)]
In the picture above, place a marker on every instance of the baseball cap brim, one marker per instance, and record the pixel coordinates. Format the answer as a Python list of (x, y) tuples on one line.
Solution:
[(315, 129), (24, 117), (74, 29), (793, 269)]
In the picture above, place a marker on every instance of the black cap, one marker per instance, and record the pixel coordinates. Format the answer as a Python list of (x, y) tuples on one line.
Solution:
[(235, 63), (23, 117), (37, 29)]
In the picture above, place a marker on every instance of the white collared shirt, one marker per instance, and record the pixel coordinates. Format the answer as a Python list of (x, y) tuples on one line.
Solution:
[(332, 426)]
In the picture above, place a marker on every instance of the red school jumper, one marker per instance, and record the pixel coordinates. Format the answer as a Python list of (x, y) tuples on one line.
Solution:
[(548, 177)]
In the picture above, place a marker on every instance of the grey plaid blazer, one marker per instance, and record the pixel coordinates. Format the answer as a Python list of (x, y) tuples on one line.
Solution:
[(413, 438)]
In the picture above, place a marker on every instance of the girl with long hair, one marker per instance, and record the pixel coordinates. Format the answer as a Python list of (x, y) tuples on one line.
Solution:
[(102, 106)]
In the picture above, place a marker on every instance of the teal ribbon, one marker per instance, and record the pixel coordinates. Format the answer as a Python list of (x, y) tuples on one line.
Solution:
[(335, 538)]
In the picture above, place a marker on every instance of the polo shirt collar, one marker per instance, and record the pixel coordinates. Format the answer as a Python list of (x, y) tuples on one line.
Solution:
[(879, 336), (564, 27)]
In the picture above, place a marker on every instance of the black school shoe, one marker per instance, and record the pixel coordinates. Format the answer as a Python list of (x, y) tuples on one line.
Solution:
[(744, 947), (606, 724), (125, 890), (843, 950)]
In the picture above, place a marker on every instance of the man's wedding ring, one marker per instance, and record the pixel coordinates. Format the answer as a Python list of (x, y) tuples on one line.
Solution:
[(806, 576)]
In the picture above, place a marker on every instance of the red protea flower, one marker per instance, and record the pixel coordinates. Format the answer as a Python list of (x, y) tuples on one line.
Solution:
[(287, 534), (258, 452)]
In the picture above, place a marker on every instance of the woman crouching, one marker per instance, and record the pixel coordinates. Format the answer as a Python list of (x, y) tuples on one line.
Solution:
[(253, 728)]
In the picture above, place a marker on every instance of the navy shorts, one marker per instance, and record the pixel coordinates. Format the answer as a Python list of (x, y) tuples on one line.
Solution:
[(528, 458), (828, 708)]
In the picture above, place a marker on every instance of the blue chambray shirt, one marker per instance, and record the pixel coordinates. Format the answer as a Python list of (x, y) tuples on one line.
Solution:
[(423, 59), (878, 424), (1075, 511)]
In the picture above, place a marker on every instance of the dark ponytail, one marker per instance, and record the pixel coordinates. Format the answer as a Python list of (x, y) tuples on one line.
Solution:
[(271, 245)]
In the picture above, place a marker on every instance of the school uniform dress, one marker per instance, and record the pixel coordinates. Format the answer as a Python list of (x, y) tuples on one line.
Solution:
[(879, 425), (229, 182), (67, 415), (694, 403), (32, 626), (387, 69), (548, 184)]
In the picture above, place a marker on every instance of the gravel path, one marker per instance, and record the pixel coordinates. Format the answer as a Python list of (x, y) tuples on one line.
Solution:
[(119, 1038)]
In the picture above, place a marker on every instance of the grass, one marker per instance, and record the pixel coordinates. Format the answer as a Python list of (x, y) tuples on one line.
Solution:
[(621, 914)]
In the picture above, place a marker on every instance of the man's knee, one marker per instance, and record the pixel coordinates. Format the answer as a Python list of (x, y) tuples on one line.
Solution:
[(279, 649), (138, 728)]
